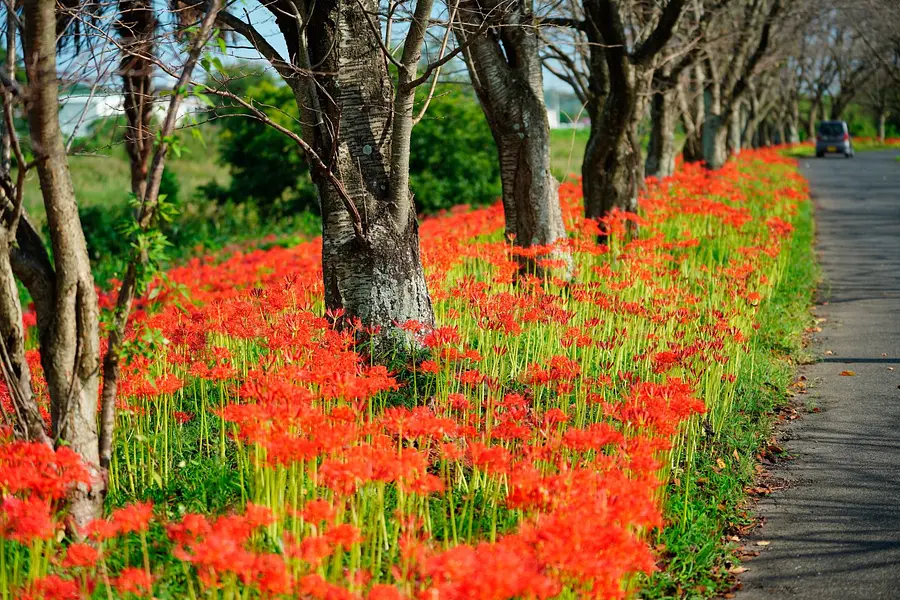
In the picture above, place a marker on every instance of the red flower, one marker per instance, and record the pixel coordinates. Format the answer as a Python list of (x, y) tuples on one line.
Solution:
[(80, 555), (133, 581)]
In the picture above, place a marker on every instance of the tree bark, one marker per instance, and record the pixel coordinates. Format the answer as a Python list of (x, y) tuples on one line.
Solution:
[(715, 128), (136, 27), (792, 127), (506, 72), (609, 170), (693, 115), (29, 424), (370, 260), (811, 119), (734, 131), (882, 121), (620, 82), (70, 345), (661, 149)]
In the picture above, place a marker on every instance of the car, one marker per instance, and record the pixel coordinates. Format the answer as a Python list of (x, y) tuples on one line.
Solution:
[(833, 137)]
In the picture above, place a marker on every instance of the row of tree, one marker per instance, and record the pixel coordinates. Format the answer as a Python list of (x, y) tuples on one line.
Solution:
[(729, 70)]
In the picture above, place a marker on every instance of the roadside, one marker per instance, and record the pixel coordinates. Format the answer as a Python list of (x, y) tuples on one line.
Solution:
[(834, 531), (698, 549)]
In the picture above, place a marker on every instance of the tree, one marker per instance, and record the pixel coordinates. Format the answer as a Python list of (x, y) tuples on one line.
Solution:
[(356, 134), (684, 51), (613, 76), (505, 71), (730, 69), (136, 28), (853, 69), (62, 288)]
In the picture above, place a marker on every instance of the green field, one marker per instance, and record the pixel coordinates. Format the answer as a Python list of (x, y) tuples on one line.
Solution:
[(567, 151), (102, 178)]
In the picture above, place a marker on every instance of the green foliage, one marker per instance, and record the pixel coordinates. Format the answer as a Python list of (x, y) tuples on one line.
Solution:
[(453, 159), (108, 229), (707, 500), (267, 168)]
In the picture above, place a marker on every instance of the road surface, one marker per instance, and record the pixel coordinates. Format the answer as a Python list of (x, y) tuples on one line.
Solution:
[(835, 531)]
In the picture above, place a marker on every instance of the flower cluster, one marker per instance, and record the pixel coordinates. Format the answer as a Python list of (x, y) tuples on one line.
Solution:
[(523, 452)]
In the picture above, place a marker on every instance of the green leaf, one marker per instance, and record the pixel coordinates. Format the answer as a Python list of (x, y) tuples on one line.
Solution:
[(205, 99)]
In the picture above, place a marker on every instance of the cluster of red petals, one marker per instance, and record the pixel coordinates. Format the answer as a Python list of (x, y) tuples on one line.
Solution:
[(570, 443)]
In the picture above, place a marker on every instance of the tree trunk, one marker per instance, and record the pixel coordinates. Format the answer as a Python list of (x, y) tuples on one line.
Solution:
[(29, 424), (506, 73), (611, 171), (734, 131), (715, 129), (811, 119), (136, 27), (694, 113), (370, 236), (882, 121), (661, 149), (793, 126), (838, 104), (70, 346), (609, 174), (765, 130)]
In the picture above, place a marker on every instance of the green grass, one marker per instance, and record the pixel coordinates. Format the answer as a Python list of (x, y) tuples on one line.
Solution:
[(103, 178), (567, 151), (708, 499)]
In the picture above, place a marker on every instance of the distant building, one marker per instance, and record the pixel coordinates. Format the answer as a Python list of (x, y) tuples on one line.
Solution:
[(564, 111), (80, 110), (553, 117)]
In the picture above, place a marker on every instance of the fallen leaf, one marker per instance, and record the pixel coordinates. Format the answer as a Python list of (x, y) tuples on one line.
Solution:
[(734, 538), (890, 368), (737, 456), (738, 570), (763, 543), (829, 352), (847, 373), (721, 463), (884, 353)]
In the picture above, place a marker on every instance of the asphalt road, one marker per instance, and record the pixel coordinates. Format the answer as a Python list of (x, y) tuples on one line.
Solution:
[(834, 532)]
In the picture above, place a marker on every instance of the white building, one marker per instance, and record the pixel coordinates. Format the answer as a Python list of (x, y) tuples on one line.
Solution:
[(79, 111)]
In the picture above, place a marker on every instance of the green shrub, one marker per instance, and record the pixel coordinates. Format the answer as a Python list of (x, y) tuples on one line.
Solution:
[(267, 167), (453, 158)]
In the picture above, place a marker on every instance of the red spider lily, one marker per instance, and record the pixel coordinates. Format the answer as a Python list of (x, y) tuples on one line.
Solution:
[(552, 403), (51, 587), (25, 520), (32, 468), (80, 555), (133, 581)]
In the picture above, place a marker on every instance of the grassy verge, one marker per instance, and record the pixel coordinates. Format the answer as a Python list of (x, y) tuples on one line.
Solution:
[(567, 151), (707, 502)]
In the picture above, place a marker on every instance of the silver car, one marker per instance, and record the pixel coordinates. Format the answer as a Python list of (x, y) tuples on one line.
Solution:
[(833, 137)]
